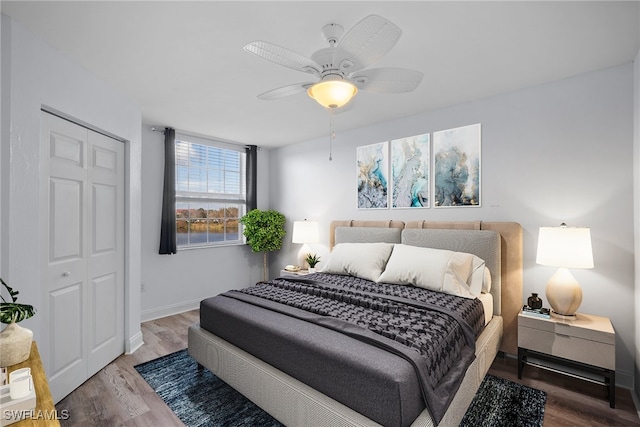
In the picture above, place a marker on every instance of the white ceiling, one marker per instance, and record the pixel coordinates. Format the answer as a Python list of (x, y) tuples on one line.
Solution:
[(183, 61)]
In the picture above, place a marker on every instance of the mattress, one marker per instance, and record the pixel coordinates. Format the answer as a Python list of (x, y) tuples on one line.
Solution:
[(487, 304), (380, 384)]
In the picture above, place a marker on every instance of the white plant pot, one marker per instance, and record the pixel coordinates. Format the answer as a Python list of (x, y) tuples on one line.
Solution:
[(312, 269), (16, 344)]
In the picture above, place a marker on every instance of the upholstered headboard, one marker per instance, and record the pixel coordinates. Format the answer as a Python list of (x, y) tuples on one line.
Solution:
[(500, 247), (367, 235)]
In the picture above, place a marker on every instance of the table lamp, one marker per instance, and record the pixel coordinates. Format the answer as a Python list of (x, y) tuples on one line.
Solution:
[(304, 232), (564, 247)]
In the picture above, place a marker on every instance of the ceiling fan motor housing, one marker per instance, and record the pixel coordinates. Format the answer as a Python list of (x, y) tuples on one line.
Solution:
[(332, 33), (324, 58)]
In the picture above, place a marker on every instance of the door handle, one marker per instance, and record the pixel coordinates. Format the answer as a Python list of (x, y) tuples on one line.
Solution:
[(66, 274)]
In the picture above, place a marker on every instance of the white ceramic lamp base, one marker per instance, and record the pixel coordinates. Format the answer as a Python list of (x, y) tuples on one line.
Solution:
[(302, 256), (564, 294)]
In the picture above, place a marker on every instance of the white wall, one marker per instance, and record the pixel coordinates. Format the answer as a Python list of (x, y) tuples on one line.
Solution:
[(551, 153), (5, 120), (35, 75), (175, 283)]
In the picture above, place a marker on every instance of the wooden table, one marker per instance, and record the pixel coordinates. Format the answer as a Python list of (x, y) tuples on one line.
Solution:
[(45, 412)]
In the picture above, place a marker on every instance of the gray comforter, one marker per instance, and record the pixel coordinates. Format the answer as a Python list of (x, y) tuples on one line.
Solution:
[(433, 333)]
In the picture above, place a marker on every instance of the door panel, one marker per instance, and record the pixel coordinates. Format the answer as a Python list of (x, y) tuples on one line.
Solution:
[(65, 272), (104, 224), (105, 295), (105, 158), (83, 251), (106, 258), (68, 146), (68, 365), (65, 225)]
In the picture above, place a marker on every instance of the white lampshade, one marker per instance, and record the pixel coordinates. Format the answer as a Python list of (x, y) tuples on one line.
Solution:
[(305, 232), (332, 93), (564, 247), (567, 247)]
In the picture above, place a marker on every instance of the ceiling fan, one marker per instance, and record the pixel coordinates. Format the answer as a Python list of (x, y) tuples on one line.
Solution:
[(341, 69)]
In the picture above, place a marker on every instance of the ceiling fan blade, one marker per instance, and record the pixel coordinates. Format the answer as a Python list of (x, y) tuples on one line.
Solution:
[(365, 43), (387, 80), (283, 56), (285, 91)]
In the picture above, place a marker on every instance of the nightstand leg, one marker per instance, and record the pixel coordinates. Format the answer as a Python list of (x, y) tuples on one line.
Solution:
[(522, 358), (610, 381)]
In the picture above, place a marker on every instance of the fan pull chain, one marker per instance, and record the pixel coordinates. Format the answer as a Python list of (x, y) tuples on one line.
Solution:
[(332, 133)]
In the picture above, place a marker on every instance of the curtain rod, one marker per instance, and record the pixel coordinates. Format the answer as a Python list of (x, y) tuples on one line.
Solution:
[(161, 130)]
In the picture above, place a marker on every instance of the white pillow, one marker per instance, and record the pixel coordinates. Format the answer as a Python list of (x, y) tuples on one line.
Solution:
[(476, 279), (434, 269), (486, 281), (364, 260)]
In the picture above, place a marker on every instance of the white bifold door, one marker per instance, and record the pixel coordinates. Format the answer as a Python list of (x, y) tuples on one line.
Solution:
[(82, 249)]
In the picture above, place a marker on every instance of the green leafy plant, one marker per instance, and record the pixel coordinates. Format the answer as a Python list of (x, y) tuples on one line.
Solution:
[(264, 231), (312, 260), (13, 311)]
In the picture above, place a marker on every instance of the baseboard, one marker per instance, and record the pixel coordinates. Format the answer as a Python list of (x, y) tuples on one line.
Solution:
[(134, 343), (624, 379), (169, 310), (636, 402)]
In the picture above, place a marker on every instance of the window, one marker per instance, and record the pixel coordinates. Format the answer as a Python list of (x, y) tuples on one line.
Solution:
[(210, 192)]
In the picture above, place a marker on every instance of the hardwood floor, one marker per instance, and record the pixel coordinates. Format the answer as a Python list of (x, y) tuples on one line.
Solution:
[(118, 396), (571, 401)]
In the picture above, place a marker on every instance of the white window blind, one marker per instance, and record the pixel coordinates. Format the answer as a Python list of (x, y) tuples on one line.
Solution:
[(210, 192)]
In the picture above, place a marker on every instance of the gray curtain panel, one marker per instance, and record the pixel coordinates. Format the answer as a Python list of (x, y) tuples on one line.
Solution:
[(168, 225), (252, 177)]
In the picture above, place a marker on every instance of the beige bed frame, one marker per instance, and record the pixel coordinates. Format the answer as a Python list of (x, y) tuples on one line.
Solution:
[(295, 404)]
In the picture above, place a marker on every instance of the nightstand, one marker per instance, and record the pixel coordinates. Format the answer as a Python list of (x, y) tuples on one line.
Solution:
[(586, 344)]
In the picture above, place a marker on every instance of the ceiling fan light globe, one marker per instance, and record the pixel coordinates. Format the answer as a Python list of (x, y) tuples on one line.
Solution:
[(332, 93)]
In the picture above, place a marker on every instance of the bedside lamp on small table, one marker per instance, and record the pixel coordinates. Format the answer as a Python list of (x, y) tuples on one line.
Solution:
[(304, 232), (564, 247)]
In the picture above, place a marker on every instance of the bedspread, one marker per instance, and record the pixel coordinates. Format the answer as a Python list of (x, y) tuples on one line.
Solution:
[(434, 332)]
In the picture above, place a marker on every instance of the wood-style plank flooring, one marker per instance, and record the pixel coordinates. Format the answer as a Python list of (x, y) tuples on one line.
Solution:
[(570, 401), (118, 396)]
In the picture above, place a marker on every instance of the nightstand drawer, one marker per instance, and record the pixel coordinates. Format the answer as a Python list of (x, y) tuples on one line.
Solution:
[(590, 328), (588, 334), (566, 346)]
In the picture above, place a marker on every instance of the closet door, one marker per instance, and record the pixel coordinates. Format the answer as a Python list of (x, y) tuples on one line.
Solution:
[(105, 251), (82, 198)]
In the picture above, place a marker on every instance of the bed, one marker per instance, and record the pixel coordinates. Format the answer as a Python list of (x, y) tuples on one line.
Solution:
[(310, 383)]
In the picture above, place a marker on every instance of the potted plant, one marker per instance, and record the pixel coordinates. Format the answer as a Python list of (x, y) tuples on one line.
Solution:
[(264, 231), (16, 340), (312, 260)]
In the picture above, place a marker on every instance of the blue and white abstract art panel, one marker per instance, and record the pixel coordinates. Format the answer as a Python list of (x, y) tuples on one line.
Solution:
[(456, 164), (410, 163), (373, 176)]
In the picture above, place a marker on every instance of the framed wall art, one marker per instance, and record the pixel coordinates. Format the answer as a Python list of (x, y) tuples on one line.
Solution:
[(373, 176), (456, 165), (410, 164)]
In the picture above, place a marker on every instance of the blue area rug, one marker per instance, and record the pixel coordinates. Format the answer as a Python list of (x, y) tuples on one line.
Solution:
[(199, 398)]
